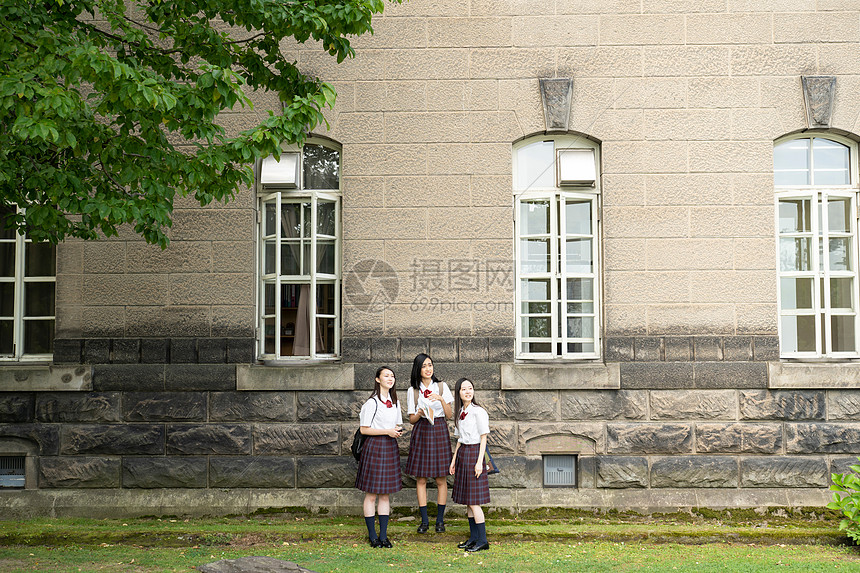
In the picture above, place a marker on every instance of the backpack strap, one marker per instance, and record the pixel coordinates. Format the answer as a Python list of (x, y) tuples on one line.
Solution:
[(375, 408)]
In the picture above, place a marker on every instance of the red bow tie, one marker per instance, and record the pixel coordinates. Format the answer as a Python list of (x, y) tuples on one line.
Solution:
[(388, 404), (427, 393), (462, 415)]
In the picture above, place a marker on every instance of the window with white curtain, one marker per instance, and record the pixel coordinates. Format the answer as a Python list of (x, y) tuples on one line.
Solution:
[(816, 223), (556, 190), (27, 294), (299, 247)]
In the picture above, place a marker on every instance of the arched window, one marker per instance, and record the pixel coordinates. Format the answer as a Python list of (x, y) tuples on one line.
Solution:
[(300, 242), (816, 221), (556, 191)]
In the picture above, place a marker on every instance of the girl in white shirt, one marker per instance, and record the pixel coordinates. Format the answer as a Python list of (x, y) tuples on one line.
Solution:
[(379, 466), (471, 488), (430, 444)]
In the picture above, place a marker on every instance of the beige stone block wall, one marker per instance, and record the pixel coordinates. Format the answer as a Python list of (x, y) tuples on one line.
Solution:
[(201, 285), (562, 30), (474, 32), (641, 29), (650, 93), (623, 189), (816, 27), (600, 61), (422, 127), (70, 266), (720, 92), (686, 99)]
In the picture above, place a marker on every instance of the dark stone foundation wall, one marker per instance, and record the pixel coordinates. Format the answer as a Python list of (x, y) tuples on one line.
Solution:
[(691, 413)]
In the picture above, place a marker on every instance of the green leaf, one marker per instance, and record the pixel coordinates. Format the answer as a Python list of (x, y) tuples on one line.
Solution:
[(108, 119)]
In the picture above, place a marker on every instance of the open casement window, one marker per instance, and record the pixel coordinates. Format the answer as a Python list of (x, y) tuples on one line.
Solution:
[(27, 286), (557, 233), (300, 272), (816, 222)]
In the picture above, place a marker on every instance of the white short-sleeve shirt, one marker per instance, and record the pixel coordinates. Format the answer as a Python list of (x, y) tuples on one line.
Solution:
[(475, 424), (425, 403), (385, 418)]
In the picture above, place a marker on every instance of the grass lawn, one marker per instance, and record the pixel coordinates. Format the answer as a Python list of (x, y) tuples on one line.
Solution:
[(565, 542)]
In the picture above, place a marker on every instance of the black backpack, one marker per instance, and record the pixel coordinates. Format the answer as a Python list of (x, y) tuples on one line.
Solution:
[(358, 439)]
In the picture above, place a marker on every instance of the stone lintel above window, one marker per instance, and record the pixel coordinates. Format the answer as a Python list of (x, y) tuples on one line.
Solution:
[(305, 377), (561, 376), (813, 375)]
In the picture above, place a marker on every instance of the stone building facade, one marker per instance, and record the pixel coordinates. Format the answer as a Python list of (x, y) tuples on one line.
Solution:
[(630, 265)]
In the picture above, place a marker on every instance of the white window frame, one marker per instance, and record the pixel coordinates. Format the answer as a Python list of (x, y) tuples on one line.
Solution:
[(300, 194), (557, 195), (818, 196), (18, 305)]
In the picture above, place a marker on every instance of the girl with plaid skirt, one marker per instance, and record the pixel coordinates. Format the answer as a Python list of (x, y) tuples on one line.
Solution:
[(430, 444), (379, 467), (471, 488)]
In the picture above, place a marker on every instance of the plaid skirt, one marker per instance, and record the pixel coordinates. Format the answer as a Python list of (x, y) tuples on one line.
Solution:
[(429, 449), (379, 468), (468, 489)]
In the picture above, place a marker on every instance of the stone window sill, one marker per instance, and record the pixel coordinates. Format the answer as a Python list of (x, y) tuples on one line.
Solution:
[(45, 378), (797, 375), (580, 376), (319, 377)]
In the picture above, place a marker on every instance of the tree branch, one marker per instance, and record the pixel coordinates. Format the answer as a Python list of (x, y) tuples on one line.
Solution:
[(165, 52)]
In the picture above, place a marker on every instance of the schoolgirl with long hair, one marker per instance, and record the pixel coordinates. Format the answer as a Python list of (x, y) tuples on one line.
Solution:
[(471, 488), (427, 399), (379, 467)]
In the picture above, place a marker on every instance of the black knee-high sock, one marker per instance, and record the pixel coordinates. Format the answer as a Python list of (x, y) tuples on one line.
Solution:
[(440, 514), (473, 530), (371, 526), (482, 533), (423, 510), (383, 526)]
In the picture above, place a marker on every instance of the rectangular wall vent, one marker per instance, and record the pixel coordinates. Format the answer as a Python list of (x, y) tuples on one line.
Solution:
[(559, 471), (12, 471)]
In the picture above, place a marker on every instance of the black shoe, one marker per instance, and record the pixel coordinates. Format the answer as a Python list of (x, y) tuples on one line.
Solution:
[(440, 527), (483, 547), (465, 544), (423, 528), (385, 543), (375, 543)]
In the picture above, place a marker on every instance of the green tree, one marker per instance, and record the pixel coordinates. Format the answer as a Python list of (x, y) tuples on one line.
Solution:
[(109, 108)]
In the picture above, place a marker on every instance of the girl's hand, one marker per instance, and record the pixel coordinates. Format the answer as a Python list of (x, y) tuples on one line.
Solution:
[(395, 432), (451, 469), (420, 412), (479, 468), (435, 397)]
